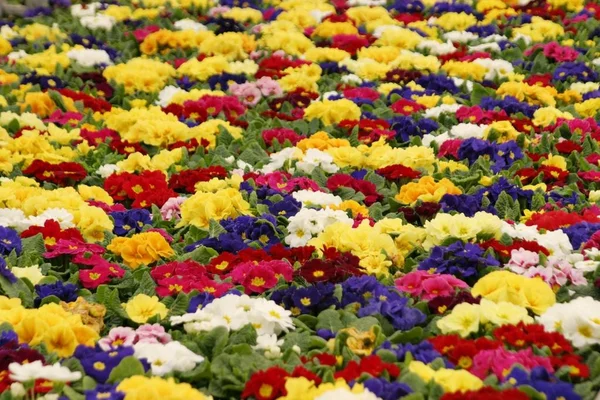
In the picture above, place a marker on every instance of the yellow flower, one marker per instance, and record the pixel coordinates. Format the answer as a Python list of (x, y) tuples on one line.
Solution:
[(154, 388), (200, 208), (9, 304), (353, 206), (360, 343), (92, 222), (556, 161), (327, 29), (333, 111), (143, 307), (32, 273), (456, 21), (5, 46), (450, 380), (463, 320), (548, 115), (141, 249), (465, 70), (426, 189), (94, 193)]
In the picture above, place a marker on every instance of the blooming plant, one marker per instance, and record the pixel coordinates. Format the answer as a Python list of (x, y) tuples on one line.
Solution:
[(300, 199)]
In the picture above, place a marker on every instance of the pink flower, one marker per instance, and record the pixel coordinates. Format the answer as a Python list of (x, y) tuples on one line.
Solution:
[(105, 207), (248, 93), (259, 279), (140, 34), (560, 53), (119, 336), (435, 287), (154, 333), (64, 118), (171, 208), (241, 271), (411, 282), (269, 87), (73, 247), (280, 268), (521, 260), (500, 361)]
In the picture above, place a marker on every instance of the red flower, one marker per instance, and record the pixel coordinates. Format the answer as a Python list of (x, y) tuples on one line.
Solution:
[(539, 79), (259, 279), (326, 359), (300, 371), (361, 93), (398, 171), (553, 220), (61, 174), (93, 103), (281, 135), (505, 250), (266, 385), (487, 393), (372, 365), (349, 43), (187, 179), (406, 107), (52, 233), (92, 278)]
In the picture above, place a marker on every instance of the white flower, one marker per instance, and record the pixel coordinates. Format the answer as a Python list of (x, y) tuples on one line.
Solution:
[(189, 25), (345, 394), (17, 389), (460, 37), (459, 82), (526, 38), (166, 94), (107, 170), (84, 10), (496, 68), (556, 241), (307, 197), (578, 320), (270, 345), (7, 32), (493, 38), (489, 47), (351, 78), (299, 233), (171, 356), (98, 21), (435, 112), (596, 61), (89, 57), (13, 218), (36, 370), (60, 215), (584, 87), (436, 48), (369, 3), (279, 159), (318, 15), (378, 32), (466, 131), (315, 158), (15, 55)]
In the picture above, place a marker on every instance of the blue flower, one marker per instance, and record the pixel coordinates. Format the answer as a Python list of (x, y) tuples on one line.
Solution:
[(332, 68), (438, 83), (387, 390), (8, 337), (9, 241), (543, 382), (408, 6), (6, 272), (462, 203), (509, 104), (287, 207), (130, 221), (66, 292), (398, 313), (577, 70), (310, 300)]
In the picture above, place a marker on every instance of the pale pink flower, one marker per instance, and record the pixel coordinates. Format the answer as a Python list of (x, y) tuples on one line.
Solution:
[(119, 336), (171, 208), (269, 87), (250, 95), (152, 333), (216, 11)]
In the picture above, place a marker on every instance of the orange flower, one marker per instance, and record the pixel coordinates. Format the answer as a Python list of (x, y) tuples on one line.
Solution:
[(141, 249), (427, 190)]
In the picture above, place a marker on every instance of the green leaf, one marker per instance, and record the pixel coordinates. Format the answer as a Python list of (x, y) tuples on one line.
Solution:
[(215, 229), (330, 320), (146, 285), (17, 290), (504, 205), (129, 366), (72, 394), (180, 305), (212, 343), (246, 335), (202, 255), (415, 335)]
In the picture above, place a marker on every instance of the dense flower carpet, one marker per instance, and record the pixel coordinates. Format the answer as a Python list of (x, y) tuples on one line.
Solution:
[(300, 199)]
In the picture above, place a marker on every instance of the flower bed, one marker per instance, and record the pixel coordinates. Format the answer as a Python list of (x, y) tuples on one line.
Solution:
[(300, 199)]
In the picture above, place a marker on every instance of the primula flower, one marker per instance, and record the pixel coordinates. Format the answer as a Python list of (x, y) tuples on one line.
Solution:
[(9, 241)]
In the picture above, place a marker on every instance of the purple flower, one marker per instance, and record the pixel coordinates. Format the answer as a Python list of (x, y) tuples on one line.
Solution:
[(98, 363), (104, 391), (424, 351), (400, 315), (577, 70), (387, 390), (463, 260), (9, 241), (66, 292), (221, 82), (509, 104), (310, 300), (200, 301), (580, 233), (408, 6), (130, 221)]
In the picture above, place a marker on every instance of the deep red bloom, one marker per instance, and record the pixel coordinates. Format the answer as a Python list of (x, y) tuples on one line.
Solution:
[(568, 146), (487, 393), (266, 385), (281, 135), (187, 179), (52, 233), (406, 107), (349, 43), (61, 174)]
